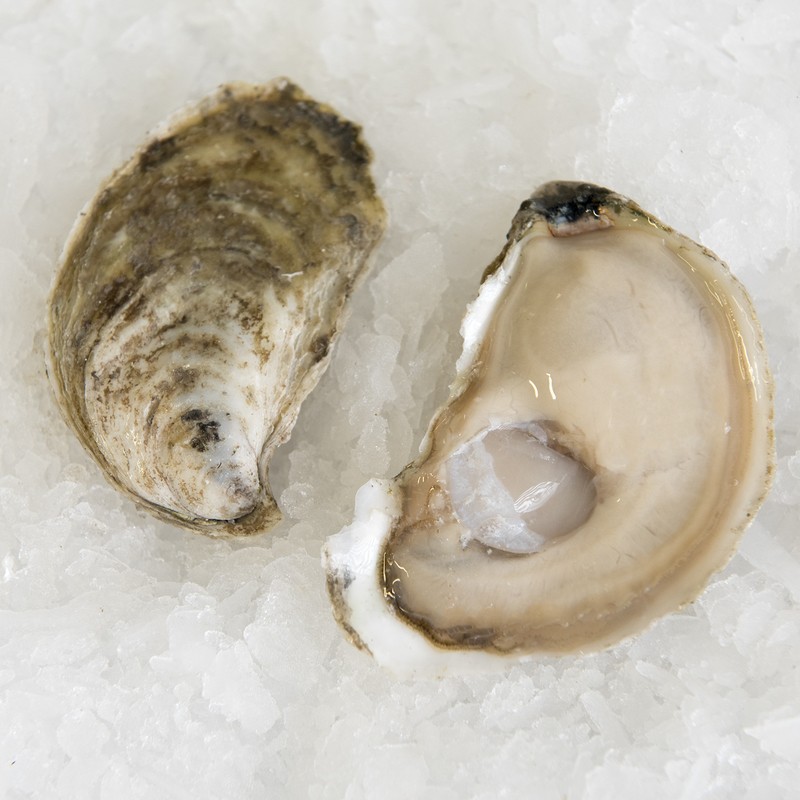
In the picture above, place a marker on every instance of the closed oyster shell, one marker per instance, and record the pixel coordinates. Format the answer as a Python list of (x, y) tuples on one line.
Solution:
[(199, 296), (607, 439)]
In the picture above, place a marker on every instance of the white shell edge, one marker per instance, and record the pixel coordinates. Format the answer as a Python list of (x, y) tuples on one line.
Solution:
[(480, 311), (352, 558)]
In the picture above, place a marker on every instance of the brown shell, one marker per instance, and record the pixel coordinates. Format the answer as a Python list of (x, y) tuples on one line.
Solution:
[(219, 259)]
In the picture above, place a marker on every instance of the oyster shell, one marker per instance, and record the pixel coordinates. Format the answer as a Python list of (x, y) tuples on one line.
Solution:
[(606, 441), (199, 296)]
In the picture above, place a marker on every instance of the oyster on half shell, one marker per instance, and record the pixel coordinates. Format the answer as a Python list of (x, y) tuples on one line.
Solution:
[(607, 439), (199, 296)]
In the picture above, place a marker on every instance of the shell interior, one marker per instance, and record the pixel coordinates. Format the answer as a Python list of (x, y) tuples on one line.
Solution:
[(607, 440)]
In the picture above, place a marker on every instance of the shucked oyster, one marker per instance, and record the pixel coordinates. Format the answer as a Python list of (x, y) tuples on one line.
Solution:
[(200, 294), (606, 441)]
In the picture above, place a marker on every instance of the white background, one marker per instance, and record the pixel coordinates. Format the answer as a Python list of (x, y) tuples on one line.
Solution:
[(140, 661)]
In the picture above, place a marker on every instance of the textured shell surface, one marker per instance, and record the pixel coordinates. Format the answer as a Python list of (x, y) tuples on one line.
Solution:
[(199, 296), (607, 439)]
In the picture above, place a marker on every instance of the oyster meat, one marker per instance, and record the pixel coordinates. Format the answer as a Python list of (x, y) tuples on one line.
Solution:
[(607, 439), (200, 293)]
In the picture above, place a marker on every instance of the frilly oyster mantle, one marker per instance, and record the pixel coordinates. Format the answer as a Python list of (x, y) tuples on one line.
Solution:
[(200, 293), (607, 439)]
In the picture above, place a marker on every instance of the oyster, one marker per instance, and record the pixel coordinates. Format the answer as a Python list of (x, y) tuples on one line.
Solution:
[(607, 439), (199, 296)]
